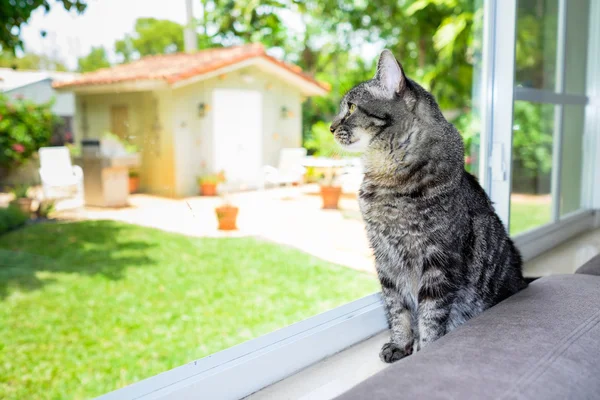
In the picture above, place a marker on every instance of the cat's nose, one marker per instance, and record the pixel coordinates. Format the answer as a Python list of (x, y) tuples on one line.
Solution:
[(334, 125)]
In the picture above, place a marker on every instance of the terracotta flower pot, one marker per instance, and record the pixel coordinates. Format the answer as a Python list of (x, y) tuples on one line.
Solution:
[(331, 196), (227, 216), (134, 184), (24, 204), (208, 189)]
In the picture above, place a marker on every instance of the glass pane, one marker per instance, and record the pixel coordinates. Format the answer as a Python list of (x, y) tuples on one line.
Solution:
[(576, 45), (572, 159), (139, 279), (531, 199), (469, 123), (537, 25)]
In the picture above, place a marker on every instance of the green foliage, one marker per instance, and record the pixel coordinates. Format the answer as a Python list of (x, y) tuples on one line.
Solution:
[(536, 44), (532, 139), (30, 61), (74, 149), (227, 22), (437, 41), (20, 191), (95, 60), (209, 178), (10, 218), (321, 141), (24, 128), (141, 301), (17, 13), (151, 36), (129, 147), (46, 208)]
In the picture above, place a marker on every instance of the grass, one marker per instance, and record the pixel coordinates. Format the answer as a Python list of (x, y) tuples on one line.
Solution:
[(88, 307), (525, 216)]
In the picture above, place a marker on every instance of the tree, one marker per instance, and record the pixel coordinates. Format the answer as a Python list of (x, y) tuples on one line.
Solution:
[(16, 13), (151, 36), (96, 59), (31, 61), (229, 22)]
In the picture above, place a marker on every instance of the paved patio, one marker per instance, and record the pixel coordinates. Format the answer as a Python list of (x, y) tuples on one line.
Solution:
[(290, 216)]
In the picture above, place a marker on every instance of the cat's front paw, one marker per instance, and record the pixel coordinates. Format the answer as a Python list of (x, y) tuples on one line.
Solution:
[(391, 352)]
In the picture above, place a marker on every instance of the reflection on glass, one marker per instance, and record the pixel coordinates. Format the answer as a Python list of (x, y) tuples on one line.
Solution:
[(537, 24), (531, 166), (572, 159)]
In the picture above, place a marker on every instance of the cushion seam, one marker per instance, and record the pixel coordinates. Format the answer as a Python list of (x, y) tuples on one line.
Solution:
[(546, 361)]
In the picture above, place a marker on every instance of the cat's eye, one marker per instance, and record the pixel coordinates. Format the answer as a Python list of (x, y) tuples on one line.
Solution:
[(351, 108)]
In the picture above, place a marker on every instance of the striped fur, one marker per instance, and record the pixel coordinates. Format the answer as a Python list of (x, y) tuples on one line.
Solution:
[(442, 254)]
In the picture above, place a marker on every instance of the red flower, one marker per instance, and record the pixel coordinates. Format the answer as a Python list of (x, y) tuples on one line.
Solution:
[(19, 148), (19, 96), (68, 136), (468, 160)]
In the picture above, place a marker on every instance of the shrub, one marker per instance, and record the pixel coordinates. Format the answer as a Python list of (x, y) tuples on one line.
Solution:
[(24, 127), (20, 191), (11, 218), (46, 208)]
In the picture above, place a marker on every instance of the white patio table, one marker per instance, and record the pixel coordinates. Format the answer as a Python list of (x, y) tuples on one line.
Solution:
[(328, 165)]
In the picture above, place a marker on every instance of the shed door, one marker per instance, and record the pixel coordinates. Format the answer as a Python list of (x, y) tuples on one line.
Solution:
[(119, 121), (237, 134)]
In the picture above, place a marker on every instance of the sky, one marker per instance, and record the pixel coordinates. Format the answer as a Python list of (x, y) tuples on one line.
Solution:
[(70, 36)]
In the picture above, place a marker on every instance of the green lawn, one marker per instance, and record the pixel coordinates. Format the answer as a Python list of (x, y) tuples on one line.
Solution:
[(89, 307), (526, 216)]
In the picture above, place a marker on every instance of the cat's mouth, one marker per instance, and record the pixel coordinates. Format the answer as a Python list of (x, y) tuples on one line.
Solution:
[(353, 142)]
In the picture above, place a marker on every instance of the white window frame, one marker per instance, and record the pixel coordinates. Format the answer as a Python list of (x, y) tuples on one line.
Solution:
[(246, 368), (501, 66)]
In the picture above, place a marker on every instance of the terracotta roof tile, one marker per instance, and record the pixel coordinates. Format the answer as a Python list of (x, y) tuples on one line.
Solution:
[(175, 67)]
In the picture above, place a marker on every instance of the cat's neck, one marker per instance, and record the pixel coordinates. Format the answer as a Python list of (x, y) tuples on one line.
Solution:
[(410, 177)]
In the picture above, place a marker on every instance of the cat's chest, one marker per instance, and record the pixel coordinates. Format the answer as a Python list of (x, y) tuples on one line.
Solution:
[(394, 214), (400, 227)]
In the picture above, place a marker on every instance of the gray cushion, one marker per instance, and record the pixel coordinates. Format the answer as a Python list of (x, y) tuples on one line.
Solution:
[(591, 267), (542, 343)]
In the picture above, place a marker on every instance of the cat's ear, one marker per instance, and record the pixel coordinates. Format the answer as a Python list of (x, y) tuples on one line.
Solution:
[(390, 74)]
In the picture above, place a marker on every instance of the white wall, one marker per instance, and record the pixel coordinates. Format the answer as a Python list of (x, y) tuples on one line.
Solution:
[(93, 113), (193, 134)]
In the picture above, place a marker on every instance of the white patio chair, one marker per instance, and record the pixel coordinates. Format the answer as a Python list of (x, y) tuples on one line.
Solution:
[(61, 179), (289, 170)]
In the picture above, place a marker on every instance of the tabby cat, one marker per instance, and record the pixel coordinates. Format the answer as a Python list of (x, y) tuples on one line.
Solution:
[(441, 253)]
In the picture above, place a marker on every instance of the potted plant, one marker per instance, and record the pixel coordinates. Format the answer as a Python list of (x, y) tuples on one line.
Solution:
[(208, 183), (134, 181), (330, 193), (227, 215), (22, 200), (45, 208), (322, 144)]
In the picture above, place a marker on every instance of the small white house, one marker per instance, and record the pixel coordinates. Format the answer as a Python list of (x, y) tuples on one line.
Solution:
[(230, 109)]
